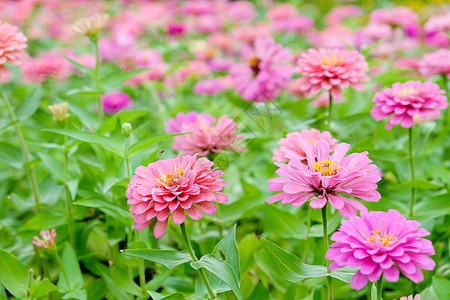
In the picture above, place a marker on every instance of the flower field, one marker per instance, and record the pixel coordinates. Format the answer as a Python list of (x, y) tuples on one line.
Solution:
[(224, 150)]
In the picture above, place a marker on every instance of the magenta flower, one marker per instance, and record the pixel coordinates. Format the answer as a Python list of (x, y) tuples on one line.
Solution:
[(211, 86), (381, 243), (48, 239), (326, 177), (435, 63), (331, 69), (410, 297), (174, 187), (404, 100), (267, 71), (115, 101), (291, 143), (206, 136)]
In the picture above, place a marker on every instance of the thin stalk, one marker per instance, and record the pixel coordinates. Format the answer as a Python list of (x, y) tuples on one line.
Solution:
[(130, 232), (330, 110), (194, 258), (325, 241), (26, 155), (411, 163), (69, 208), (97, 81), (380, 288), (46, 270), (308, 231), (447, 112), (141, 271), (63, 270), (30, 279)]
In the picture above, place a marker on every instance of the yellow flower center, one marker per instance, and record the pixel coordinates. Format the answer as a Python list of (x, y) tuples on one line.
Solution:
[(325, 168), (169, 178), (406, 92), (332, 61), (254, 64), (378, 236)]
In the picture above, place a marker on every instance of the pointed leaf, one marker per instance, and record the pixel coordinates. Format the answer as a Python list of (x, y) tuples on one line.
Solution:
[(13, 275), (168, 258), (70, 262), (30, 104), (119, 77), (85, 70), (142, 145)]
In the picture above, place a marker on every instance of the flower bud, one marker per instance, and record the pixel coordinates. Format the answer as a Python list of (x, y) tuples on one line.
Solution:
[(126, 129), (90, 26), (60, 111), (48, 239)]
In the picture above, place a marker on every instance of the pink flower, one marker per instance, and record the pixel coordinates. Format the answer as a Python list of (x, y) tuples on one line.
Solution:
[(339, 13), (115, 101), (370, 34), (331, 69), (206, 137), (267, 71), (198, 7), (211, 86), (220, 64), (241, 11), (438, 23), (147, 58), (326, 177), (323, 100), (381, 243), (410, 297), (436, 63), (404, 100), (178, 185), (12, 49), (401, 16), (334, 36), (291, 143), (47, 65), (48, 239)]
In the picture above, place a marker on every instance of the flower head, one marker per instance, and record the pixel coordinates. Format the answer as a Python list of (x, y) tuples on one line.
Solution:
[(331, 69), (399, 16), (381, 243), (185, 184), (114, 102), (206, 136), (60, 111), (326, 177), (291, 143), (48, 239), (12, 49), (410, 297), (90, 25), (404, 100), (266, 72), (211, 86), (435, 63)]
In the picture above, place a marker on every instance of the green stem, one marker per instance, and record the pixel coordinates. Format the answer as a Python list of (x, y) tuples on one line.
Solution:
[(26, 155), (141, 271), (330, 110), (411, 163), (325, 241), (63, 270), (194, 258), (69, 208), (97, 81), (380, 288), (46, 269), (30, 280), (447, 111), (308, 231)]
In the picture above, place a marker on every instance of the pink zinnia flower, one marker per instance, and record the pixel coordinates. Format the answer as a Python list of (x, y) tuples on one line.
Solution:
[(331, 69), (48, 239), (342, 12), (436, 63), (410, 297), (334, 36), (401, 16), (114, 102), (206, 137), (438, 23), (267, 71), (147, 58), (12, 49), (47, 65), (178, 185), (381, 243), (326, 177), (404, 100), (291, 143), (241, 11), (211, 86)]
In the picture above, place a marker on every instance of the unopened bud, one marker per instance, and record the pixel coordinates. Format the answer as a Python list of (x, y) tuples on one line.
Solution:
[(126, 129), (60, 111)]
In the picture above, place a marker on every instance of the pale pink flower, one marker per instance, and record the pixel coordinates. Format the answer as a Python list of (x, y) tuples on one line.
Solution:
[(342, 12), (410, 297), (404, 100), (174, 187), (12, 49), (381, 243), (114, 102), (198, 7), (281, 11), (211, 86), (267, 71), (372, 33), (113, 50), (399, 16), (331, 69), (326, 178), (220, 64), (438, 23), (407, 63), (47, 65), (48, 239), (436, 63), (250, 33), (241, 11), (206, 136), (147, 58), (334, 36), (291, 143)]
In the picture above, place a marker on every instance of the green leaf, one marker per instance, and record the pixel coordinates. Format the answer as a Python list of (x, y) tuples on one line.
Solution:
[(82, 94), (85, 70), (281, 222), (345, 274), (30, 104), (88, 119), (110, 180), (108, 208), (289, 266), (221, 269), (168, 258), (373, 292), (11, 155), (117, 78), (440, 286), (142, 145), (44, 220), (387, 155), (333, 223), (13, 275), (40, 288), (121, 117), (55, 167), (71, 266), (173, 296), (122, 280), (421, 184), (108, 143)]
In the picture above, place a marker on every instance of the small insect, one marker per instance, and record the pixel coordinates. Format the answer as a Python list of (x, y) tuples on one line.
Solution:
[(161, 152)]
